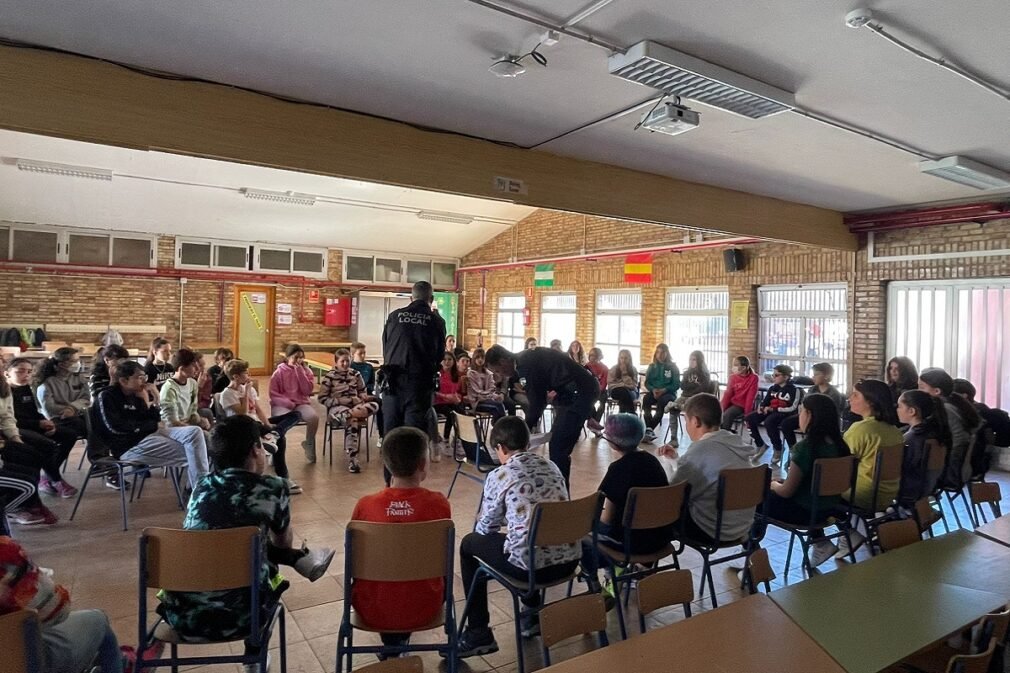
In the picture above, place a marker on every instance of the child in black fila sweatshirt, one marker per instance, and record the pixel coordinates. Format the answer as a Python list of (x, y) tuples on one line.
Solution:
[(779, 403)]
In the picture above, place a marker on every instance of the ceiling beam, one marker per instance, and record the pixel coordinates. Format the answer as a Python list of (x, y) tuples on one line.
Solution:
[(92, 101)]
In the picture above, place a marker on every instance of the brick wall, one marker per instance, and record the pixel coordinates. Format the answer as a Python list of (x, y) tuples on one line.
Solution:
[(545, 234), (38, 297)]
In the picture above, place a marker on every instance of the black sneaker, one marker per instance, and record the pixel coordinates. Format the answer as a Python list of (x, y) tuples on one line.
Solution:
[(353, 467), (476, 642), (112, 481), (529, 625)]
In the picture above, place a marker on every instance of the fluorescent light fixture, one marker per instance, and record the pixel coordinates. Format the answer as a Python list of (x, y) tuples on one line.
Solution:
[(963, 170), (279, 197), (51, 168), (452, 218), (679, 74)]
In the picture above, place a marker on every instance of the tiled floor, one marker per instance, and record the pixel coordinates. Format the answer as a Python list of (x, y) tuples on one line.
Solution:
[(98, 562)]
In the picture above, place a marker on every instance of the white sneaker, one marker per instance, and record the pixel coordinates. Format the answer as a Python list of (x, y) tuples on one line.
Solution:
[(310, 451), (843, 544), (459, 453), (822, 551), (436, 452), (293, 487), (649, 436)]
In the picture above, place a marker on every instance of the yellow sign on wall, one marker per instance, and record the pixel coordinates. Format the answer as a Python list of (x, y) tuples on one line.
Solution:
[(739, 315)]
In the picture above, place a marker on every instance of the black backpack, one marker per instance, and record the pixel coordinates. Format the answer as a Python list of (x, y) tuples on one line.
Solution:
[(10, 336)]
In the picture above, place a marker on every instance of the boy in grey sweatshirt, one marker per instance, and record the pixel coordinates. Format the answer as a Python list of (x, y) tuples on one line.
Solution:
[(712, 450)]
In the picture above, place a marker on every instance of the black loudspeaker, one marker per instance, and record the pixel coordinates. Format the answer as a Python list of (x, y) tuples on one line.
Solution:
[(733, 259)]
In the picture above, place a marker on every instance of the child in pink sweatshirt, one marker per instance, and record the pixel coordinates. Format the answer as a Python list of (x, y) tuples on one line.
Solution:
[(290, 387)]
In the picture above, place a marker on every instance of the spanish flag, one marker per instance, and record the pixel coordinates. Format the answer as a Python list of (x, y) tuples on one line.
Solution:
[(638, 268)]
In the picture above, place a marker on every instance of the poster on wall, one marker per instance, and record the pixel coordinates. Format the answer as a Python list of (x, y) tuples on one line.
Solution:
[(258, 297), (447, 304), (284, 318), (313, 296), (284, 308), (739, 315)]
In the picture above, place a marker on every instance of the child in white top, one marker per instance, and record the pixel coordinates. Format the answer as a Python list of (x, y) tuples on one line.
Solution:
[(240, 398)]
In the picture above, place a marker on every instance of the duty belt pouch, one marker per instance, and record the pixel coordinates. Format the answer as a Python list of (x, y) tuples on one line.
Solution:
[(383, 382)]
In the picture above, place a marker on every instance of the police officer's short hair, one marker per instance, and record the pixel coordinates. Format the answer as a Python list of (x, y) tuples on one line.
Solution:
[(496, 355), (422, 289)]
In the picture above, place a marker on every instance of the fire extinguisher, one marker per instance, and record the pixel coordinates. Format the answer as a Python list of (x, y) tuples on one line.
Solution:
[(527, 317)]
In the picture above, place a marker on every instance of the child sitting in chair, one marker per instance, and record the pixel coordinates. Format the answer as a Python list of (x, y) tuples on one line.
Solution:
[(401, 606), (343, 394)]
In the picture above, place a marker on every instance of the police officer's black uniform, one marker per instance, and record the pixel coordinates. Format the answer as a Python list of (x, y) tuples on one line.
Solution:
[(413, 343)]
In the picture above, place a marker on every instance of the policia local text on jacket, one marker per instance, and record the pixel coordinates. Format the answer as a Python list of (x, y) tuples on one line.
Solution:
[(413, 341)]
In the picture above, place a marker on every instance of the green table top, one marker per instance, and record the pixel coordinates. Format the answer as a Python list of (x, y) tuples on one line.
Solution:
[(873, 614), (997, 530)]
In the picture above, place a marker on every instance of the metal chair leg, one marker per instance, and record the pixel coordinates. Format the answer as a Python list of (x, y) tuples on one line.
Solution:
[(122, 501), (84, 487)]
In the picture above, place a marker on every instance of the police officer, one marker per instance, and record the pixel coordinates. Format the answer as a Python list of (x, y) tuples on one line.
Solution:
[(413, 342), (542, 370)]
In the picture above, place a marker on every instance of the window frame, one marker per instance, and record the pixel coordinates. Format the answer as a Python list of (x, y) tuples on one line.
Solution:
[(621, 313), (544, 339), (842, 377), (214, 243), (513, 312), (63, 235), (403, 259), (953, 332), (722, 370)]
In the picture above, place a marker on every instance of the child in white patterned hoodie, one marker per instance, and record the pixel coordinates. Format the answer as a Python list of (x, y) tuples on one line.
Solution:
[(343, 394)]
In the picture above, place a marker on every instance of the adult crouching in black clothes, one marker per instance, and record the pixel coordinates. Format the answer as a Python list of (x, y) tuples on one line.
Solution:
[(413, 342), (543, 370)]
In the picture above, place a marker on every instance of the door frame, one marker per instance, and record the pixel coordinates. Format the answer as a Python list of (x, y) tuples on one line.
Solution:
[(270, 292)]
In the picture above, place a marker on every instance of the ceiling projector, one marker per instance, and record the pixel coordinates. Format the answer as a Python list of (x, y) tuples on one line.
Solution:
[(670, 118)]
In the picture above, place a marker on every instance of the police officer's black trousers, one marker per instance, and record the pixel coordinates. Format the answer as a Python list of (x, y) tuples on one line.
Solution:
[(565, 432)]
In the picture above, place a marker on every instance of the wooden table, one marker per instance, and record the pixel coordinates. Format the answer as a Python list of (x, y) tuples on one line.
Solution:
[(997, 530), (875, 613), (751, 635)]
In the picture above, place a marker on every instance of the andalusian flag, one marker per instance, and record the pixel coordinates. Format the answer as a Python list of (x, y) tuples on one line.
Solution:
[(638, 268), (543, 275)]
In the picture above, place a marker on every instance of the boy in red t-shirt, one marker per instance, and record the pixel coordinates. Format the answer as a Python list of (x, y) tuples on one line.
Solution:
[(400, 607)]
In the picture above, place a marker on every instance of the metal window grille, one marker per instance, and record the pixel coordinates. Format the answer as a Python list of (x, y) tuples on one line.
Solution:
[(698, 319), (511, 331), (956, 325), (801, 325)]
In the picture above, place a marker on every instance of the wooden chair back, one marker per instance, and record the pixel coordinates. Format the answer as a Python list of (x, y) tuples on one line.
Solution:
[(896, 534), (889, 462), (760, 567), (573, 616), (558, 523), (925, 514), (984, 492), (972, 663), (654, 507), (200, 560), (396, 665), (936, 455), (20, 642), (399, 552), (836, 474), (744, 488), (666, 588)]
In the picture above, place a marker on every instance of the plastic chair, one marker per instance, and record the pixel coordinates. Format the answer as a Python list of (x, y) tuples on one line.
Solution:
[(935, 459), (645, 508), (738, 489), (468, 429), (982, 493), (551, 524), (205, 560), (925, 516), (398, 552), (332, 426), (897, 534), (831, 477), (572, 616), (20, 642), (663, 589)]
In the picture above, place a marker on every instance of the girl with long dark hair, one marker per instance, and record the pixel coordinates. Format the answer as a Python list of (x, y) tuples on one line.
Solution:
[(790, 500), (926, 419), (901, 375), (662, 381), (963, 419)]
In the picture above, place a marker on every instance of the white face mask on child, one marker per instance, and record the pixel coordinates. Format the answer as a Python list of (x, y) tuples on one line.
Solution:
[(76, 367)]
